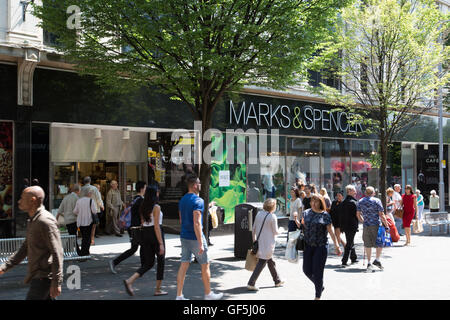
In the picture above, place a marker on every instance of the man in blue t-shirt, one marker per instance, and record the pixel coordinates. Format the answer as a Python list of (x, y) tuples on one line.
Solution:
[(193, 241), (370, 213)]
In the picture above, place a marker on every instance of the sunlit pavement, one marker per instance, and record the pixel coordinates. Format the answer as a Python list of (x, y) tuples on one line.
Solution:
[(420, 271)]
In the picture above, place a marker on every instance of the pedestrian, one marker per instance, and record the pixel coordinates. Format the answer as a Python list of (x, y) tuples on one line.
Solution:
[(114, 205), (42, 247), (323, 192), (152, 243), (390, 203), (296, 208), (317, 223), (349, 224), (84, 209), (96, 225), (302, 195), (193, 241), (95, 194), (397, 197), (135, 222), (307, 199), (66, 210), (335, 213), (266, 227), (370, 213), (313, 188), (409, 203), (420, 205), (434, 201)]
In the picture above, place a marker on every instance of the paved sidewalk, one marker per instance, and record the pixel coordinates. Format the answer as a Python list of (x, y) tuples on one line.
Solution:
[(420, 271)]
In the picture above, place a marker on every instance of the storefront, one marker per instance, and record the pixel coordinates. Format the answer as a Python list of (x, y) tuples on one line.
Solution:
[(76, 128)]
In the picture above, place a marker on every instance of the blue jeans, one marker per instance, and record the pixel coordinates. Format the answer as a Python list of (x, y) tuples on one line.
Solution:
[(314, 259)]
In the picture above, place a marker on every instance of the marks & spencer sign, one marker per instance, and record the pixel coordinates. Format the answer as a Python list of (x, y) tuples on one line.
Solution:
[(291, 116)]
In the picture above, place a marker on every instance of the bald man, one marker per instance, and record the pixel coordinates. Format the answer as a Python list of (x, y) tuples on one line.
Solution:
[(42, 246), (114, 205)]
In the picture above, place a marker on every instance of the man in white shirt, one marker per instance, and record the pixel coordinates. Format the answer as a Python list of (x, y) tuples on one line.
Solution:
[(66, 210), (84, 208), (397, 197)]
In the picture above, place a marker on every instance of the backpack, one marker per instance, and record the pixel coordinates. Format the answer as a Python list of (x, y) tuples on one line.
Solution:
[(125, 216)]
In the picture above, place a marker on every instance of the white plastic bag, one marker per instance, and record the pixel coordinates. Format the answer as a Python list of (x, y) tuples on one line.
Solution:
[(291, 252)]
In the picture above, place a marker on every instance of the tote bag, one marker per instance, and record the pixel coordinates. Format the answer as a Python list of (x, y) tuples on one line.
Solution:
[(250, 261), (383, 238), (417, 226)]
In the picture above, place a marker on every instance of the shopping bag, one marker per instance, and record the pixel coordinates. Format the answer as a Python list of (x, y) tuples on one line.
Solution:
[(250, 261), (291, 252), (300, 245), (395, 236), (398, 213), (214, 218), (383, 238), (417, 226)]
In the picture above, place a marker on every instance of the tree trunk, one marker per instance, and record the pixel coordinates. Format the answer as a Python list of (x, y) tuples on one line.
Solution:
[(383, 166)]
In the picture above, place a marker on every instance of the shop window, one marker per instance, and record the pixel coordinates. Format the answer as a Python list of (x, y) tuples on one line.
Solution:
[(6, 171), (364, 173), (336, 165)]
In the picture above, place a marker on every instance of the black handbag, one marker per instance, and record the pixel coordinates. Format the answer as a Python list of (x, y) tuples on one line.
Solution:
[(255, 245), (300, 245), (95, 218)]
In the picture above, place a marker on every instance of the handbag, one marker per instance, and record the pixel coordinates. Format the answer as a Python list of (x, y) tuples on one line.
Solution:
[(417, 226), (300, 245), (95, 218), (250, 261), (398, 213), (255, 245)]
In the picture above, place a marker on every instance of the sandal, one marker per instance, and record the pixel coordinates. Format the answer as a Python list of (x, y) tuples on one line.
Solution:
[(159, 292), (128, 288)]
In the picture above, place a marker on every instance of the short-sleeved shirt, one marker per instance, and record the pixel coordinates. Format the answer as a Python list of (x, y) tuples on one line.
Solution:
[(295, 207), (187, 205), (316, 227), (370, 207)]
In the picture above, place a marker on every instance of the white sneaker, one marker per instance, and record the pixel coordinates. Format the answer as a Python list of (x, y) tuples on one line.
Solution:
[(213, 296), (279, 284), (181, 298), (252, 288)]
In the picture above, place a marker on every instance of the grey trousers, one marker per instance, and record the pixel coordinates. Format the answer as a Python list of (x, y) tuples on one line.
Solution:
[(112, 220), (259, 267)]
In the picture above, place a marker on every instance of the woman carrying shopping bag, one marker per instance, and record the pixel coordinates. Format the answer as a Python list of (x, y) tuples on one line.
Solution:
[(266, 228)]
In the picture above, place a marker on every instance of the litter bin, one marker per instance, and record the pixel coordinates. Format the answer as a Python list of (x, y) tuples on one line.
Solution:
[(244, 215)]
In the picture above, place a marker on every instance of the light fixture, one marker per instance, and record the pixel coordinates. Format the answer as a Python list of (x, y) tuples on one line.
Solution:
[(153, 135), (126, 134), (98, 133), (425, 147), (413, 146)]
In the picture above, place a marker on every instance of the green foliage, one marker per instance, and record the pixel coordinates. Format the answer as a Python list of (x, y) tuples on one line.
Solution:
[(194, 50)]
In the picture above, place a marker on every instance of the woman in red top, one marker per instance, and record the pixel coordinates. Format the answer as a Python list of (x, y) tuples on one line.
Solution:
[(409, 202)]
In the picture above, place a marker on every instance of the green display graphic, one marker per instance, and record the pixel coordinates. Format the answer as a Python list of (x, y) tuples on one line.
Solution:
[(228, 197)]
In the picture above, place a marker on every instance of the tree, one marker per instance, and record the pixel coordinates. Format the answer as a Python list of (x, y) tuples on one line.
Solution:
[(193, 50), (386, 53)]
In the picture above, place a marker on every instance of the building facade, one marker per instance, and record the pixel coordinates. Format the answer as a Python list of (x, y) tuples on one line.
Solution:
[(57, 127)]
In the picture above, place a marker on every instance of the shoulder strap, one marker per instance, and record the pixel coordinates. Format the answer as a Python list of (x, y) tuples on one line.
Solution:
[(262, 226)]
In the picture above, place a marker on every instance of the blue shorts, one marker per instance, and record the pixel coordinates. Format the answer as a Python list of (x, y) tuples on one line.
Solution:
[(190, 247)]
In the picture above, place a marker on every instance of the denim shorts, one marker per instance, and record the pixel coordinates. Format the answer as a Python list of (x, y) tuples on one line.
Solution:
[(190, 247)]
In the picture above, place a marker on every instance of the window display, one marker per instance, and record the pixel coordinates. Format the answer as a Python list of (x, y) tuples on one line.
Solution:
[(6, 170)]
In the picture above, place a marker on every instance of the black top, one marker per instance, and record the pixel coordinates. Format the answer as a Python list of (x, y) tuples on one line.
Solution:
[(349, 221), (135, 216), (306, 203), (316, 227), (335, 213)]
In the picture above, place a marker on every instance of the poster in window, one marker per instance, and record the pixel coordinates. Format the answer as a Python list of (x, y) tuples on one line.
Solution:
[(6, 170)]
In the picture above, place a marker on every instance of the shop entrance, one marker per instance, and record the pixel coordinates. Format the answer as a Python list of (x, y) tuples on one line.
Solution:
[(65, 175)]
